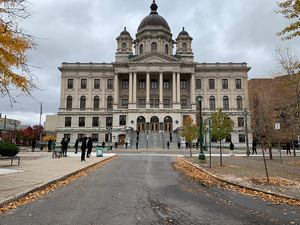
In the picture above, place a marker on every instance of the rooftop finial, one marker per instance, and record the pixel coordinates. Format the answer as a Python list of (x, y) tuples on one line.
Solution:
[(124, 28), (153, 7), (183, 28)]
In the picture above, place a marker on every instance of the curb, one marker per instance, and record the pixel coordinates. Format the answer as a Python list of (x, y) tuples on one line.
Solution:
[(42, 186), (239, 185)]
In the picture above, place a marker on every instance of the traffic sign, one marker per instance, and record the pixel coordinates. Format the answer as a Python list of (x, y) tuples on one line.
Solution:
[(277, 126)]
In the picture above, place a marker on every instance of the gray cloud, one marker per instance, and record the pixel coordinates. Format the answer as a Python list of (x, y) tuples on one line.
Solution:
[(85, 31)]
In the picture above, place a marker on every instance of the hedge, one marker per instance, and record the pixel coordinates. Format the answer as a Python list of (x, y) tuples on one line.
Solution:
[(8, 149)]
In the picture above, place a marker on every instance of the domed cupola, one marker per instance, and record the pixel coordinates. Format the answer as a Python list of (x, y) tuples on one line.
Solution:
[(124, 49), (154, 34), (184, 46)]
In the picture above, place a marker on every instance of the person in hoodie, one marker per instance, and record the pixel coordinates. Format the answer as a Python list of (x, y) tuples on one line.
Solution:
[(89, 147), (83, 148)]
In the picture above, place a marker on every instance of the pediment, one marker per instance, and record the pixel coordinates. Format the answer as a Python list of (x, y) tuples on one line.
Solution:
[(155, 57)]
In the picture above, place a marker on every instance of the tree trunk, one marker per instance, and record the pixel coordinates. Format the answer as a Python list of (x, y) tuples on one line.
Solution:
[(220, 154), (190, 149), (270, 152), (263, 151)]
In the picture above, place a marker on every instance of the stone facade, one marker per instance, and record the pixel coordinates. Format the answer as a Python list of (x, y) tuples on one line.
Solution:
[(152, 90)]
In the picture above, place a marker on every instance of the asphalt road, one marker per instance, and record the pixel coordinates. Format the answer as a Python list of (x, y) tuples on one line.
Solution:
[(145, 189)]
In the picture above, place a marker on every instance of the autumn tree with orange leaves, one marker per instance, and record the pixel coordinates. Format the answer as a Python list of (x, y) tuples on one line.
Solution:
[(14, 46), (189, 131)]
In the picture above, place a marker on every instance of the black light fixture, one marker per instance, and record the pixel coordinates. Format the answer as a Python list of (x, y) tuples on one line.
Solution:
[(132, 121)]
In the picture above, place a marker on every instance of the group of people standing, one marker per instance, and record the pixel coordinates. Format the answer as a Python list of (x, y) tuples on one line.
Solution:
[(86, 144)]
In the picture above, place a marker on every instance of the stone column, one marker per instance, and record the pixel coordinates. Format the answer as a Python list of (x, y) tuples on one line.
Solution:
[(116, 94), (174, 88), (178, 88), (232, 99), (130, 88), (204, 86), (192, 95), (148, 90), (134, 87), (63, 98), (103, 92), (161, 97)]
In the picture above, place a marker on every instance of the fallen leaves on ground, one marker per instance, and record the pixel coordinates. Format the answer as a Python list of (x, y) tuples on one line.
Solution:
[(274, 181), (296, 163), (208, 181), (38, 194)]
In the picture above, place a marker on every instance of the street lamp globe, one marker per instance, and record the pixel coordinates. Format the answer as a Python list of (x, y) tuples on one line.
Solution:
[(199, 98)]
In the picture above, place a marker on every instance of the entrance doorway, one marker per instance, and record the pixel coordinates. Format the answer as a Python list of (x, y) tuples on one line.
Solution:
[(121, 139), (168, 127), (141, 124), (154, 124)]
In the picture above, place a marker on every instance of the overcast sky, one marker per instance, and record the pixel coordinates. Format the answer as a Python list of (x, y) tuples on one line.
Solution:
[(85, 31)]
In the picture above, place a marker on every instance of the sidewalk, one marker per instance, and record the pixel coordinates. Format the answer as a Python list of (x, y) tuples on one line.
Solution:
[(37, 170), (250, 172)]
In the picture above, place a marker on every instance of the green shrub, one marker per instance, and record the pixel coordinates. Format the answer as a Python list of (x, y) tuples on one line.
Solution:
[(8, 149)]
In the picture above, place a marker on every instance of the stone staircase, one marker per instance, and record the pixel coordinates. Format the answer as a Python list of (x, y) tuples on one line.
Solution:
[(155, 140)]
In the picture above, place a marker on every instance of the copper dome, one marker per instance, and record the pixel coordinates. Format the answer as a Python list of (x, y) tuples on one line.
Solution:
[(154, 19)]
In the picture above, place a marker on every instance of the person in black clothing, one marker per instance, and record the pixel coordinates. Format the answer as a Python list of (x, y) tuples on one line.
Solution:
[(76, 146), (116, 145), (62, 145), (178, 145), (103, 144), (197, 145), (83, 148), (126, 144), (288, 148), (231, 146), (186, 145), (65, 147), (89, 147), (49, 145), (137, 145), (254, 147), (168, 145), (33, 145)]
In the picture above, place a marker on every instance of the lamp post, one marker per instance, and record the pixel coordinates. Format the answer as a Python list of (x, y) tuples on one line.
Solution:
[(15, 124), (246, 129), (201, 155)]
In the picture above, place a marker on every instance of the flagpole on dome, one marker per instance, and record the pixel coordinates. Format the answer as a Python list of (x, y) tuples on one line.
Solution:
[(41, 112)]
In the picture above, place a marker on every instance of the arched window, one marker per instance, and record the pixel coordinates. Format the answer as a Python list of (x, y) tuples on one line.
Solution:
[(96, 102), (183, 45), (109, 102), (82, 102), (225, 102), (153, 46), (212, 104), (167, 49), (141, 49), (239, 102), (124, 45), (69, 102)]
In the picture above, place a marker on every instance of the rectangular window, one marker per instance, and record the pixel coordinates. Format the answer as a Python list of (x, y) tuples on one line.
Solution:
[(183, 102), (166, 101), (97, 83), (166, 84), (110, 84), (182, 84), (151, 101), (225, 83), (153, 84), (125, 84), (241, 137), (70, 83), (83, 83), (185, 117), (142, 102), (238, 84), (198, 83), (142, 84), (95, 137), (95, 121), (109, 121), (80, 137), (211, 84), (122, 120), (228, 138), (156, 101), (124, 102), (68, 121), (240, 121), (81, 122)]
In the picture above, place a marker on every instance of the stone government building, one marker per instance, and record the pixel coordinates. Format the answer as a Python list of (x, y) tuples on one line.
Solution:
[(151, 90)]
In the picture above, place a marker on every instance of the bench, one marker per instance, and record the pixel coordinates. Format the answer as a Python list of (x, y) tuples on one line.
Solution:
[(56, 154), (24, 149), (11, 158)]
